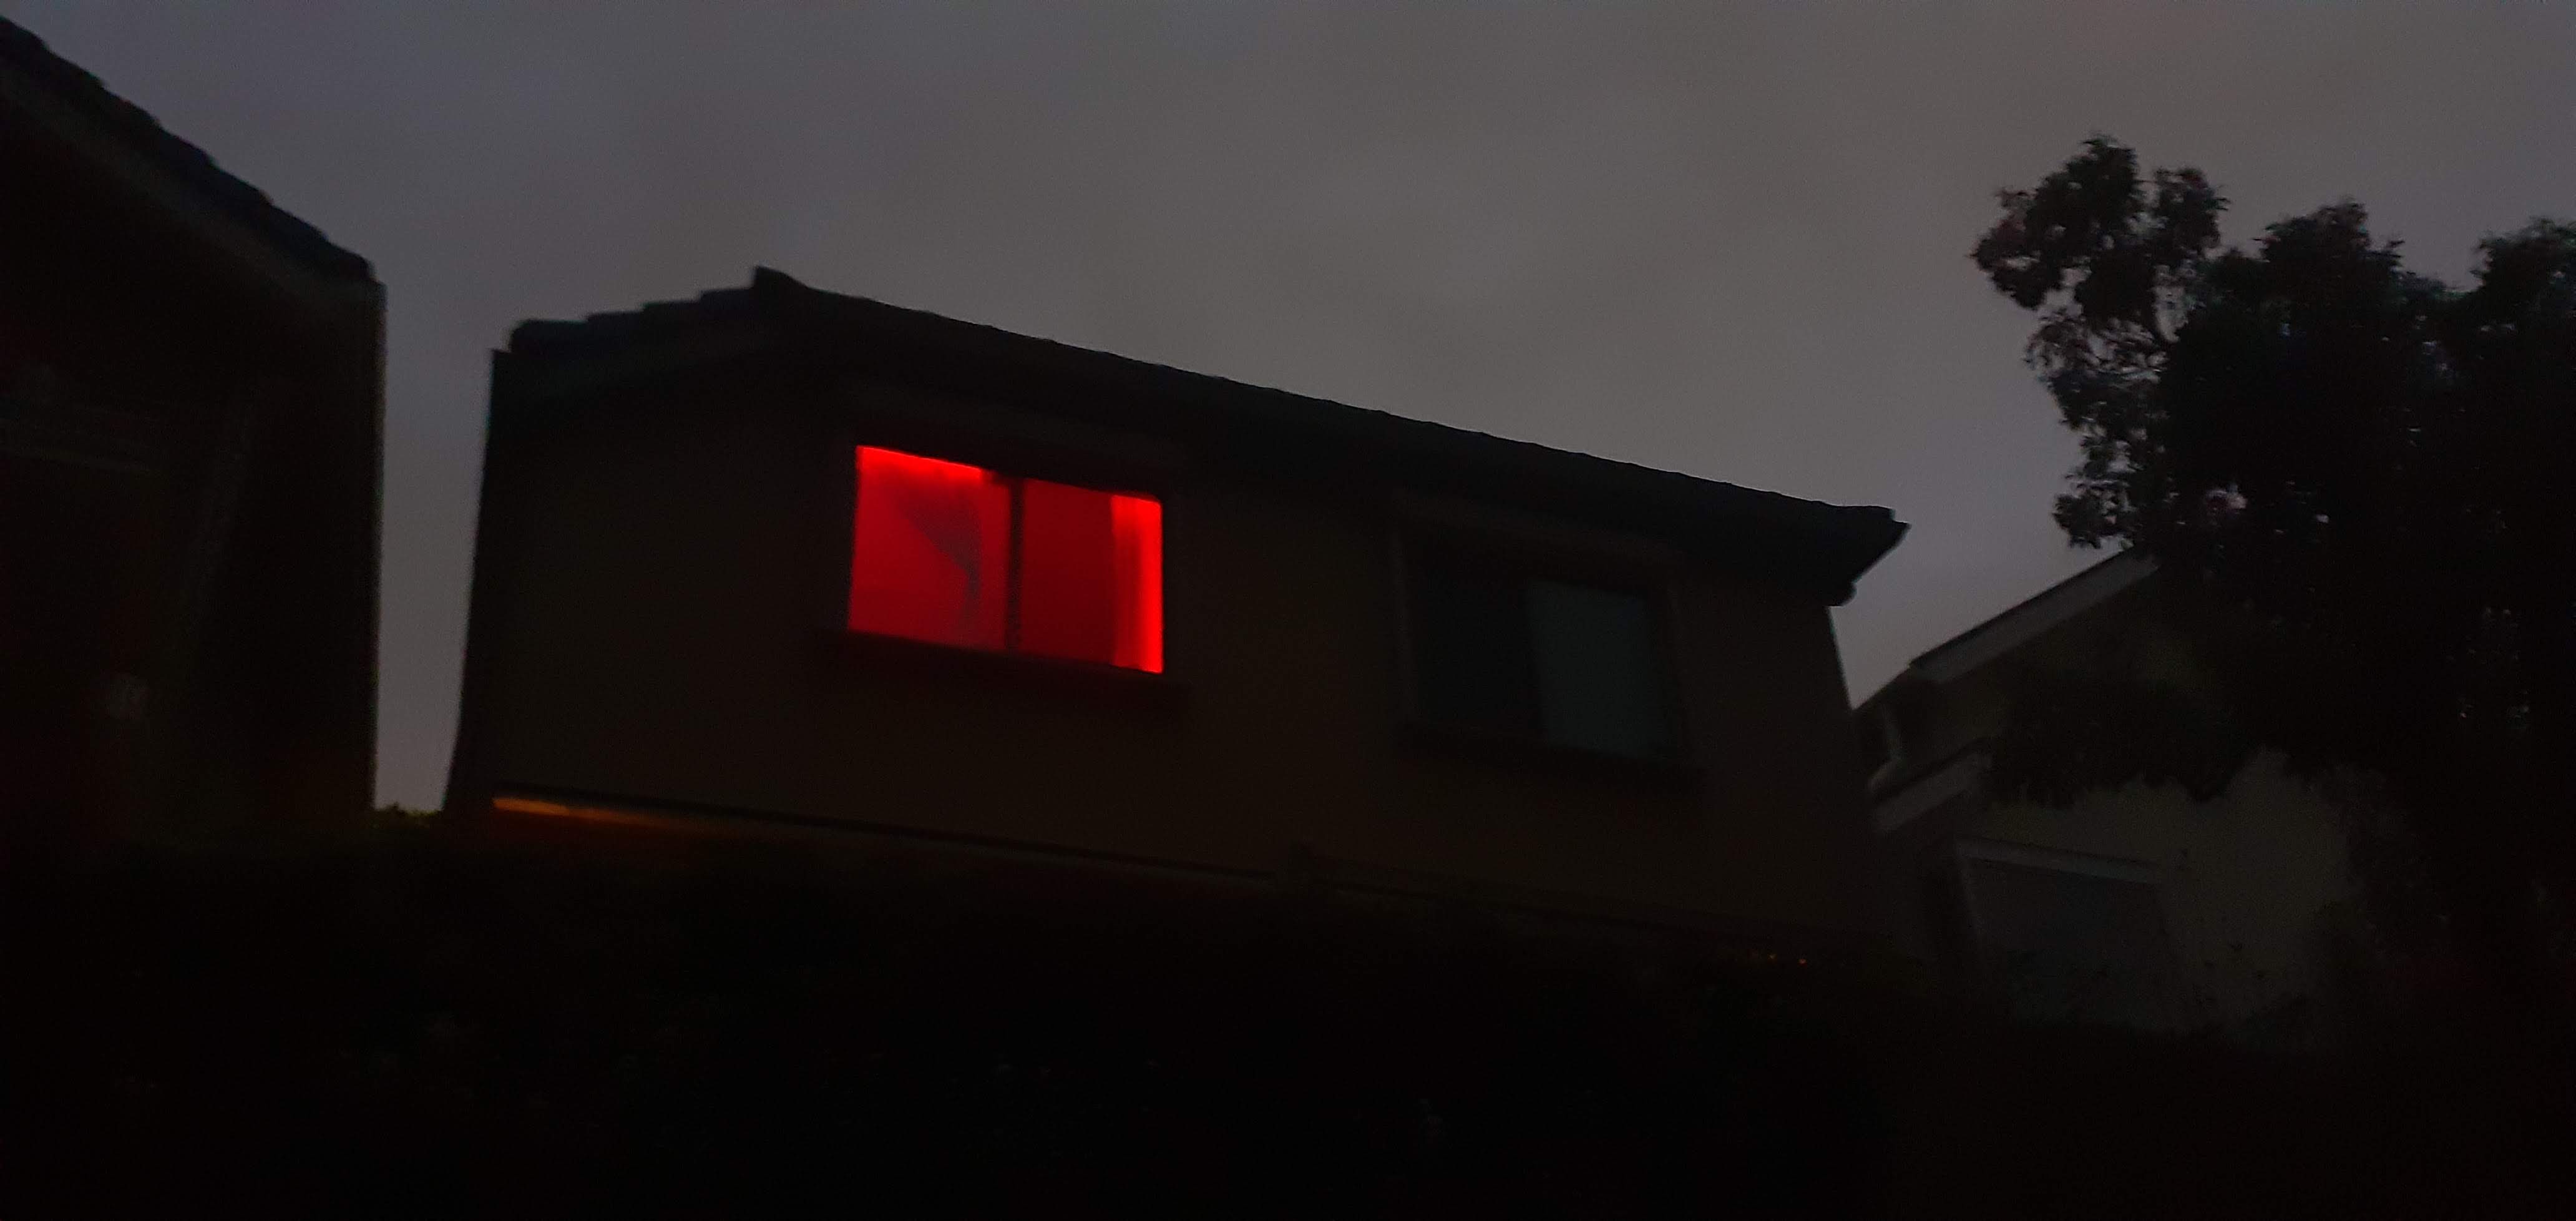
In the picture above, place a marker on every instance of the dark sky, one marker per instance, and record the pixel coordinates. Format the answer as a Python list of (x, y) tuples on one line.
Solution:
[(1726, 239)]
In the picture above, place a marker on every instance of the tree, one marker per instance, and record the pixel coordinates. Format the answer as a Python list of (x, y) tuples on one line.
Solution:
[(2354, 478)]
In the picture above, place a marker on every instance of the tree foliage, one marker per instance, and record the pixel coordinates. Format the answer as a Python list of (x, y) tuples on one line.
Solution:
[(2352, 476), (2075, 730)]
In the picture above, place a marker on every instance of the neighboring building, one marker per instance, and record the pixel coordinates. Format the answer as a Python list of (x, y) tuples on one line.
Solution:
[(190, 444), (780, 555), (2140, 907)]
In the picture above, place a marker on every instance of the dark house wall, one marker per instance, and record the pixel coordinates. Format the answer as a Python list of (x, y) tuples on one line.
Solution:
[(190, 426), (656, 574)]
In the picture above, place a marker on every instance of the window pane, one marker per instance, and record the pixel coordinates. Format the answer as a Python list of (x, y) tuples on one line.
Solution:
[(1068, 607), (1600, 674), (1873, 733), (1471, 647), (1091, 578), (1136, 523), (929, 551), (2075, 947)]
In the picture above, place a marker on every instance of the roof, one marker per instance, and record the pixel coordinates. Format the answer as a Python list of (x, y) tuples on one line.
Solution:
[(25, 54), (2023, 621), (1826, 545)]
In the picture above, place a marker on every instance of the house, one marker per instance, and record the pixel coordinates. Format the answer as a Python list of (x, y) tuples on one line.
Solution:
[(2151, 906), (190, 442), (782, 557)]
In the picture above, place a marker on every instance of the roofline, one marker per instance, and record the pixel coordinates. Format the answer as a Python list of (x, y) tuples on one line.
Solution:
[(76, 108), (1828, 545), (2021, 622)]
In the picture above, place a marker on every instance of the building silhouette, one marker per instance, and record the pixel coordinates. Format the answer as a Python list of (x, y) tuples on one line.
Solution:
[(191, 424), (782, 557)]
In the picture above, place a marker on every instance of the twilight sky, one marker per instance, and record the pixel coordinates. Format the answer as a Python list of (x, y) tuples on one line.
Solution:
[(1722, 238)]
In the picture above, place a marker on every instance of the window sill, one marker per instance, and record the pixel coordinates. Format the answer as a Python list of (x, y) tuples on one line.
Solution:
[(918, 661), (1669, 774)]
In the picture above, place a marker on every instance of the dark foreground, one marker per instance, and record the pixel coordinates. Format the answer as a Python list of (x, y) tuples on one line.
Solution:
[(416, 1022)]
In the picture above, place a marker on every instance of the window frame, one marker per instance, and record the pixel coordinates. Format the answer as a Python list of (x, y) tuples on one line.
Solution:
[(1017, 458), (1531, 549), (1981, 950)]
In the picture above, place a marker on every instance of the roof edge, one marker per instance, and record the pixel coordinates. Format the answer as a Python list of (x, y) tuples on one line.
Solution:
[(1830, 544), (110, 119), (2022, 622)]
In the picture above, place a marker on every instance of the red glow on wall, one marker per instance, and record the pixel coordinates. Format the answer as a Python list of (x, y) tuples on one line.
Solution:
[(937, 555)]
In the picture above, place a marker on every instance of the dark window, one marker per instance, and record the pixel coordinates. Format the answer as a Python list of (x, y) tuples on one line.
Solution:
[(2070, 946), (1501, 650), (959, 555), (1872, 728), (1909, 714)]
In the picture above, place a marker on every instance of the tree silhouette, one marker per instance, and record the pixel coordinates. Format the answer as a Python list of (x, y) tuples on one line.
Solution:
[(2353, 479)]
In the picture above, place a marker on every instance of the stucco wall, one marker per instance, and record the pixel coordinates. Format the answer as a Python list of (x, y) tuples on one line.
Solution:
[(2247, 881), (2251, 885), (652, 629)]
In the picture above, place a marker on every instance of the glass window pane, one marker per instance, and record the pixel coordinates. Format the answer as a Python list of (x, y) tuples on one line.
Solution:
[(929, 556), (2069, 946), (1068, 606), (1091, 578), (1471, 647), (1600, 674), (1136, 524)]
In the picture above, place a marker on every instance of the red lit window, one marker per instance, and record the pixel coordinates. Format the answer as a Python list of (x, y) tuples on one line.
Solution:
[(959, 555)]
